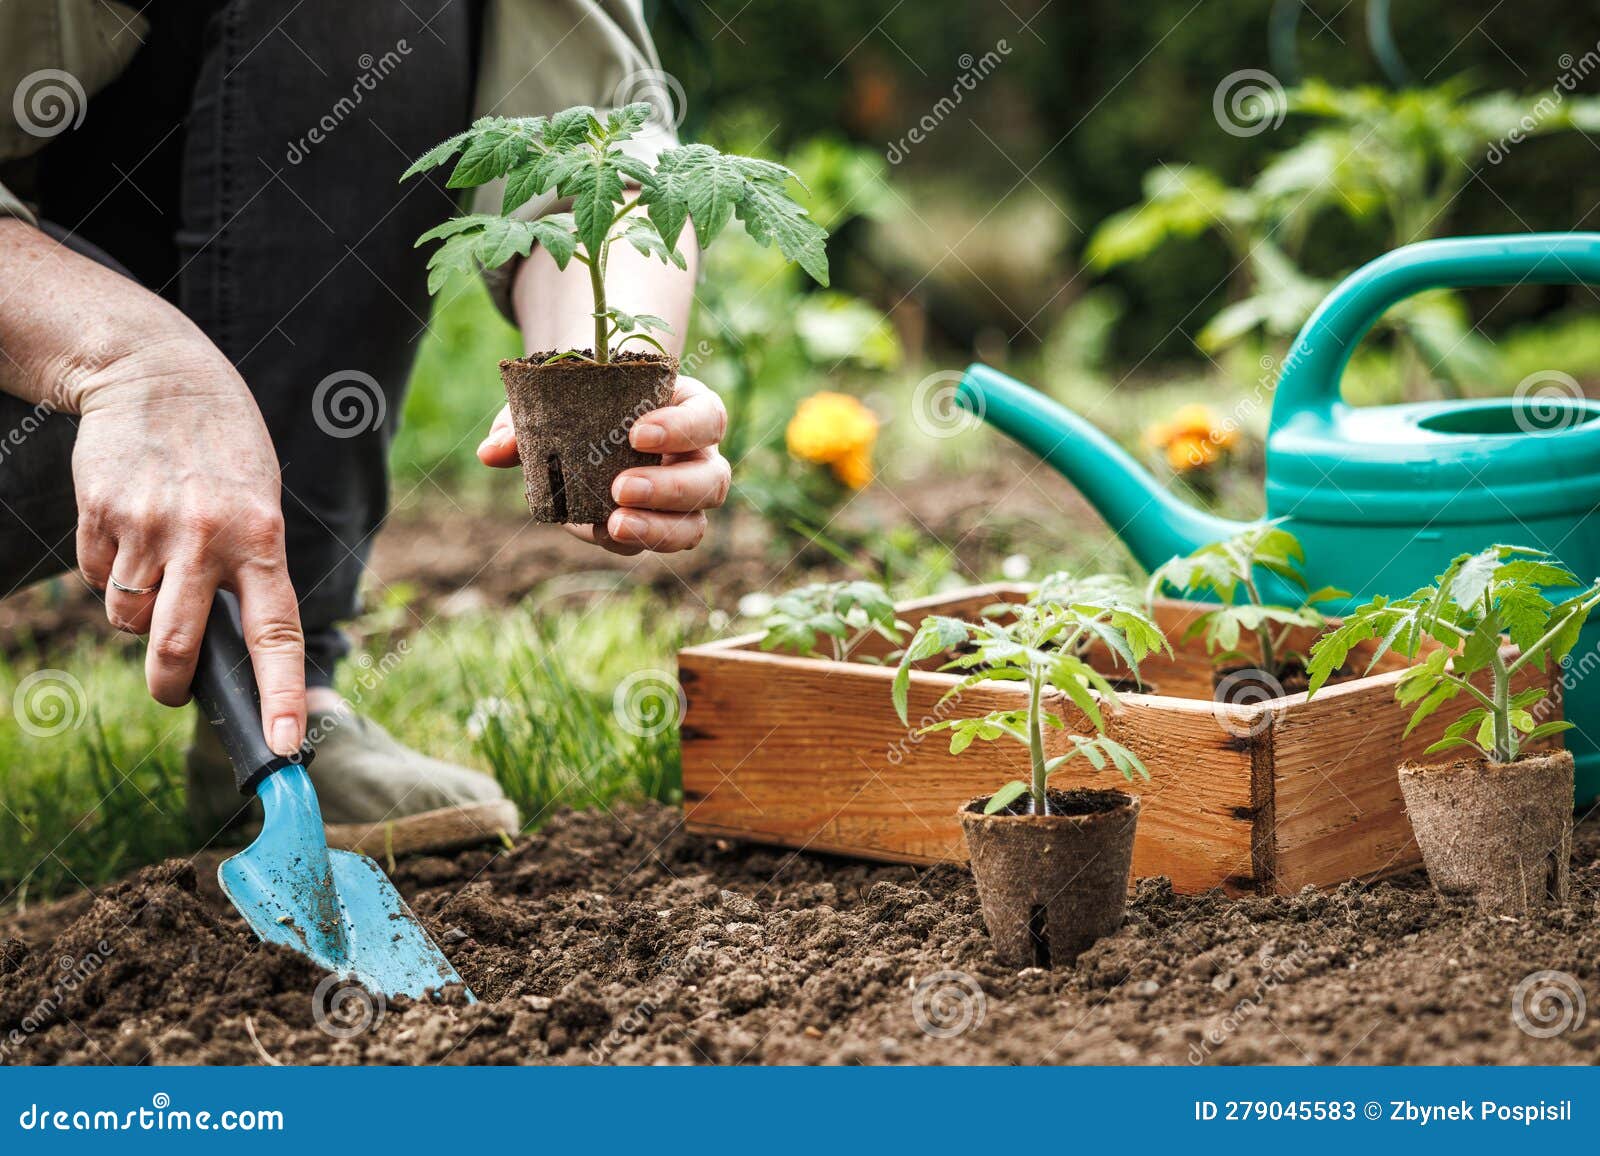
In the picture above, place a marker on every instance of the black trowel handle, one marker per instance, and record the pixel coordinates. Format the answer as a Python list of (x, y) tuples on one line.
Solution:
[(225, 688)]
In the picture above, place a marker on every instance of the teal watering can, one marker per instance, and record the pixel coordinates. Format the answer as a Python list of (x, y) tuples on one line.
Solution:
[(1380, 497)]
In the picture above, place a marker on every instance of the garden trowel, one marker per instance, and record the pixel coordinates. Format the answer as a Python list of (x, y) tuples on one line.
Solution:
[(335, 907)]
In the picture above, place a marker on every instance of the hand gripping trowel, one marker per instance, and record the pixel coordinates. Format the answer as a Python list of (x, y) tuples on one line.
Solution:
[(336, 908)]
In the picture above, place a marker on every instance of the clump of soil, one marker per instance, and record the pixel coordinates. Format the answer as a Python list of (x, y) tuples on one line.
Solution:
[(621, 938)]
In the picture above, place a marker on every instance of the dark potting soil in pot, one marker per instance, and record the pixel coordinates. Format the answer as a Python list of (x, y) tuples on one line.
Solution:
[(572, 419), (624, 939)]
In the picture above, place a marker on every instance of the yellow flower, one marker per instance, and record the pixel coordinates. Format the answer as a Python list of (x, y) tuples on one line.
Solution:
[(1191, 439), (834, 429), (855, 468)]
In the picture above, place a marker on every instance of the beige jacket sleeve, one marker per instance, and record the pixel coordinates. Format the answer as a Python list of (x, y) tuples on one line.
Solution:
[(55, 55), (541, 56)]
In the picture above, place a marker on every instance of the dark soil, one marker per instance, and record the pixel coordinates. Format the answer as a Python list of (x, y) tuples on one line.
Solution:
[(1078, 801), (1247, 684), (623, 939)]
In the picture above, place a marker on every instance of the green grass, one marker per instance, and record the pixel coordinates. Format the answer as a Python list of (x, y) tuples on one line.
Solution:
[(455, 392), (528, 694)]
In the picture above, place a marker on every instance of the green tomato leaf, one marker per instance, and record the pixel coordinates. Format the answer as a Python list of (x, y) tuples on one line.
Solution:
[(1004, 797)]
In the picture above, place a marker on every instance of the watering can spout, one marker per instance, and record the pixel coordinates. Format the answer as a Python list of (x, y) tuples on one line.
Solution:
[(1153, 524)]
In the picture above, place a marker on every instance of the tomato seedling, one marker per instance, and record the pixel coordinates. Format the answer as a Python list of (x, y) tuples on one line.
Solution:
[(1040, 643), (577, 154), (1226, 569), (1472, 607), (836, 614)]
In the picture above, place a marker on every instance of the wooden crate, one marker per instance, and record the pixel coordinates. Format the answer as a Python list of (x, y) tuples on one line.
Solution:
[(810, 754)]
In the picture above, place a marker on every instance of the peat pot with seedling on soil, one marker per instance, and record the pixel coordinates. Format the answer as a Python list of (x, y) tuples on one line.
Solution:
[(1052, 866), (572, 409), (1496, 822), (1248, 640)]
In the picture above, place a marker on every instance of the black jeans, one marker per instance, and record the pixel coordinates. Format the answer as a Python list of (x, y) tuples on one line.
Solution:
[(245, 167)]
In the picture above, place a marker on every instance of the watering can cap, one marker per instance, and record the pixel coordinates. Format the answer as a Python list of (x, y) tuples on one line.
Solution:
[(1534, 454)]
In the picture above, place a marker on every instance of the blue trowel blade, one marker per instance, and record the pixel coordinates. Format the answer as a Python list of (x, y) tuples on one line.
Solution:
[(335, 907)]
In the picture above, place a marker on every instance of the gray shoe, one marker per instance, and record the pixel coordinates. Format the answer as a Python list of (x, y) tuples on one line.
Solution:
[(377, 796)]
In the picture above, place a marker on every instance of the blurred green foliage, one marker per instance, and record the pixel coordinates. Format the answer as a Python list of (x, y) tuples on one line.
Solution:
[(1093, 95)]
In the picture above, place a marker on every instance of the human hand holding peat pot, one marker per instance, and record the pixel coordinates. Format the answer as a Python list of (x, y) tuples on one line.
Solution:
[(1051, 865), (1497, 823), (602, 427), (1222, 570)]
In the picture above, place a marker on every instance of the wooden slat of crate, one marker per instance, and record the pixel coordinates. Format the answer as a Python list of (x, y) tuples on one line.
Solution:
[(810, 753)]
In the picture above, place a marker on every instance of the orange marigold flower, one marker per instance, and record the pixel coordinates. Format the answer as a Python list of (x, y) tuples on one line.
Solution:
[(855, 468), (1191, 438), (834, 429)]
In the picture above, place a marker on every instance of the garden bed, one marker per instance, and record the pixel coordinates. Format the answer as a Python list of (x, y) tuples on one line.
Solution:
[(1265, 797), (627, 939)]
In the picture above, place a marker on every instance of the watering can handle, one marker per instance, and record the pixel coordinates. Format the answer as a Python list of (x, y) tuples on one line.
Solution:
[(226, 692), (1315, 364)]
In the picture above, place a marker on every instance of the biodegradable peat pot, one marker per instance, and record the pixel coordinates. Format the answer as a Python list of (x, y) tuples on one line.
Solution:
[(572, 419), (1052, 884), (1500, 832)]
